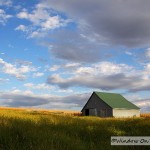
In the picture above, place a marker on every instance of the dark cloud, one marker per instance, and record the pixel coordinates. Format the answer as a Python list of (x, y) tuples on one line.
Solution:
[(21, 100), (12, 99), (75, 46), (78, 99), (120, 22), (143, 87)]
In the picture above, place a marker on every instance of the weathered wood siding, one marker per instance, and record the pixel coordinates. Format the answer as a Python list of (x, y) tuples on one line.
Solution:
[(96, 107), (126, 113)]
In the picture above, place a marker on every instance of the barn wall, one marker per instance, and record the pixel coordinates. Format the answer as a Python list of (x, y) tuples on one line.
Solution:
[(96, 106), (126, 113)]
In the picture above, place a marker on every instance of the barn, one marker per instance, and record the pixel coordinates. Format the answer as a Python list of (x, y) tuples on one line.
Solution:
[(109, 105)]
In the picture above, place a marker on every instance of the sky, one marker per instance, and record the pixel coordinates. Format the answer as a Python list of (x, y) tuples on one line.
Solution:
[(54, 54)]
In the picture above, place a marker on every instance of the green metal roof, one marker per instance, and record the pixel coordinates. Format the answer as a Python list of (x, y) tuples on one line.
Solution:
[(116, 100)]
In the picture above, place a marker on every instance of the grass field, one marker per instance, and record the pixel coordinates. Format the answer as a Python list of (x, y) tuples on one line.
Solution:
[(46, 130)]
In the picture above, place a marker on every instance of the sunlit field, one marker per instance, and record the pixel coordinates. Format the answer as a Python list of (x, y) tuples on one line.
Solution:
[(27, 129)]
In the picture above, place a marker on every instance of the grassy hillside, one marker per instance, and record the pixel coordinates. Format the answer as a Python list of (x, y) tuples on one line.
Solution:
[(35, 130)]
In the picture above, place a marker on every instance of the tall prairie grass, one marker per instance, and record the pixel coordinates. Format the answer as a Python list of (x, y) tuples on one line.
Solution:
[(43, 130)]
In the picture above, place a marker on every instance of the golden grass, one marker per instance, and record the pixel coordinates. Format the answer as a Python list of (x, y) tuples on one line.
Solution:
[(34, 129), (59, 112), (44, 111), (145, 115)]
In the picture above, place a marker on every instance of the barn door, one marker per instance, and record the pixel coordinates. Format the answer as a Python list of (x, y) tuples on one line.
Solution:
[(86, 112)]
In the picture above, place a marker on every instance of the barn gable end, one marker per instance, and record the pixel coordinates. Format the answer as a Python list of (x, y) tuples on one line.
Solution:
[(96, 107)]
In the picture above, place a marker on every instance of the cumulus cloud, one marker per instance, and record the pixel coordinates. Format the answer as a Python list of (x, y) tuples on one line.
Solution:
[(105, 76), (120, 22), (17, 71), (108, 82), (42, 20)]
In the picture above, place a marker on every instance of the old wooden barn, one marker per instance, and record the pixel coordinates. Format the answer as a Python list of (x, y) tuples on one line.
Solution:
[(109, 105)]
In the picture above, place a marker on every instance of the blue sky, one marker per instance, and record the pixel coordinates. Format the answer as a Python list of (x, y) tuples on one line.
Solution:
[(54, 54)]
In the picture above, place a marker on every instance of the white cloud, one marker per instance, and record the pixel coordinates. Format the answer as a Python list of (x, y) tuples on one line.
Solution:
[(36, 17), (41, 86), (23, 15), (42, 20), (4, 17), (51, 23), (25, 92), (72, 65), (36, 34), (104, 68), (65, 91), (63, 66), (38, 74), (54, 68), (21, 28), (128, 53), (18, 71)]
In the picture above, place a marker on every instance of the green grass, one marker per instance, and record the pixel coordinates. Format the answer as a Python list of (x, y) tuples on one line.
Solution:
[(29, 130)]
